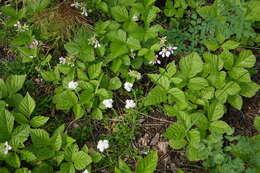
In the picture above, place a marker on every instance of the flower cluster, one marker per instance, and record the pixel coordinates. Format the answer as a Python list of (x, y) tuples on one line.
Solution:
[(167, 51), (102, 145), (94, 42), (73, 85), (81, 7), (156, 61), (20, 27), (128, 86), (62, 60), (7, 148), (34, 44)]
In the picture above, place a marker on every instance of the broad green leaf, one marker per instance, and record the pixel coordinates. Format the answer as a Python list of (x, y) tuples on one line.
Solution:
[(257, 123), (194, 153), (97, 113), (151, 14), (27, 156), (13, 160), (114, 83), (23, 170), (95, 156), (156, 95), (246, 59), (133, 43), (78, 111), (19, 135), (230, 44), (38, 121), (148, 2), (14, 83), (163, 81), (177, 144), (253, 11), (191, 65), (39, 137), (228, 59), (171, 69), (43, 168), (200, 120), (56, 142), (231, 88), (211, 45), (27, 105), (176, 131), (3, 89), (120, 13), (65, 100), (197, 83), (215, 111), (248, 89), (148, 164), (239, 74), (67, 167), (178, 95), (4, 170), (94, 70), (123, 167), (220, 127), (6, 125), (81, 160), (236, 101), (194, 137)]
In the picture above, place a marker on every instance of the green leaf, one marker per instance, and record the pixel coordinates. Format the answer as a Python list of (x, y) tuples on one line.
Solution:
[(248, 89), (119, 13), (211, 45), (6, 125), (230, 44), (81, 160), (191, 65), (257, 123), (13, 160), (231, 88), (4, 170), (27, 105), (179, 96), (220, 127), (56, 142), (236, 101), (65, 100), (176, 131), (3, 89), (114, 83), (38, 121), (148, 2), (177, 144), (246, 59), (156, 95), (95, 156), (239, 74), (19, 135), (194, 137), (27, 156), (123, 167), (78, 111), (163, 81), (39, 137), (215, 111), (228, 59), (23, 170), (67, 167), (197, 83), (97, 113), (95, 70), (133, 43), (14, 83), (148, 164)]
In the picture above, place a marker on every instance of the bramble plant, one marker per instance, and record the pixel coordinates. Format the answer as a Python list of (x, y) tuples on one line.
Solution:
[(81, 82)]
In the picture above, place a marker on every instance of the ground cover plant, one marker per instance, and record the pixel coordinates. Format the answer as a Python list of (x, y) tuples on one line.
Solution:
[(128, 86)]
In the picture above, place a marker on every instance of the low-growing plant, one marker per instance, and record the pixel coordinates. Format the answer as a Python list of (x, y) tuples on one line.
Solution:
[(23, 141), (196, 94)]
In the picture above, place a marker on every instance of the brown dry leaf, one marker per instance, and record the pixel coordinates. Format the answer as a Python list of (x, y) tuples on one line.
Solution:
[(163, 147)]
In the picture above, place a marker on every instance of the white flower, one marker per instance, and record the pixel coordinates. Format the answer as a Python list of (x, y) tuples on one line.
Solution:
[(156, 61), (94, 42), (130, 104), (84, 11), (102, 145), (76, 5), (128, 86), (86, 171), (171, 49), (135, 74), (62, 60), (165, 53), (31, 57), (135, 18), (108, 103), (21, 27), (7, 148), (73, 85)]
